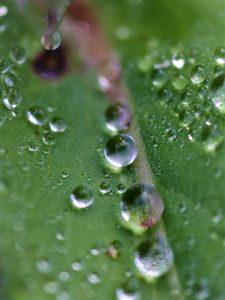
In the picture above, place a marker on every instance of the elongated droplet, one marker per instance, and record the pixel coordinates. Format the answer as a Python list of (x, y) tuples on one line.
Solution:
[(81, 197), (154, 257), (121, 150), (118, 117), (11, 98), (141, 207)]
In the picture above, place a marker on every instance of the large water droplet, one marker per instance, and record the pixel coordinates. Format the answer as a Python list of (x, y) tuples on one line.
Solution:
[(141, 207), (121, 150), (81, 197), (51, 41), (118, 117), (11, 98), (36, 115), (154, 257)]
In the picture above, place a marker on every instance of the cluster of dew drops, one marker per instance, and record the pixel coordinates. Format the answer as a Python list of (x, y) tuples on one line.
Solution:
[(141, 205)]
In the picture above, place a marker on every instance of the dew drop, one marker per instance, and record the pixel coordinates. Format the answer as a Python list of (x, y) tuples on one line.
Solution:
[(159, 78), (220, 55), (11, 98), (118, 117), (3, 11), (18, 55), (154, 257), (121, 150), (141, 207), (81, 197), (179, 82), (43, 266), (128, 291), (198, 74), (104, 187), (178, 60), (93, 278), (4, 65), (36, 115), (121, 188), (57, 124), (77, 266), (51, 41)]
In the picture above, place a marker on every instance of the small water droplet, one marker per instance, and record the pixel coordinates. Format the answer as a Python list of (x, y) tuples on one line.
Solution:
[(77, 266), (43, 266), (36, 115), (4, 65), (121, 150), (154, 257), (93, 278), (179, 82), (220, 55), (118, 117), (141, 207), (121, 188), (81, 197), (51, 41), (57, 124), (159, 78), (178, 60), (198, 74), (104, 187), (3, 10), (64, 276), (49, 139), (128, 291)]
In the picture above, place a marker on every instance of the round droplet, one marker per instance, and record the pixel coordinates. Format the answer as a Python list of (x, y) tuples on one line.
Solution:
[(198, 74), (93, 278), (141, 207), (220, 55), (179, 82), (11, 98), (121, 188), (18, 55), (4, 65), (81, 197), (178, 60), (77, 266), (48, 138), (36, 115), (118, 117), (120, 150), (165, 94), (159, 77), (3, 10), (57, 125), (51, 41), (104, 187), (128, 291), (153, 258)]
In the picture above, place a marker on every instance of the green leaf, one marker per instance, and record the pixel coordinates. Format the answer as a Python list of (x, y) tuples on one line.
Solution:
[(41, 235)]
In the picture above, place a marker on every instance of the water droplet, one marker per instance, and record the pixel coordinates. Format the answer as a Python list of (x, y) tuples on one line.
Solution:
[(18, 55), (220, 55), (77, 266), (43, 266), (159, 78), (57, 125), (198, 74), (165, 94), (11, 98), (81, 197), (154, 257), (121, 188), (141, 207), (104, 187), (120, 150), (128, 291), (178, 60), (10, 79), (3, 11), (36, 115), (118, 117), (179, 82), (4, 65), (51, 287), (93, 278), (51, 41), (201, 290), (64, 276)]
